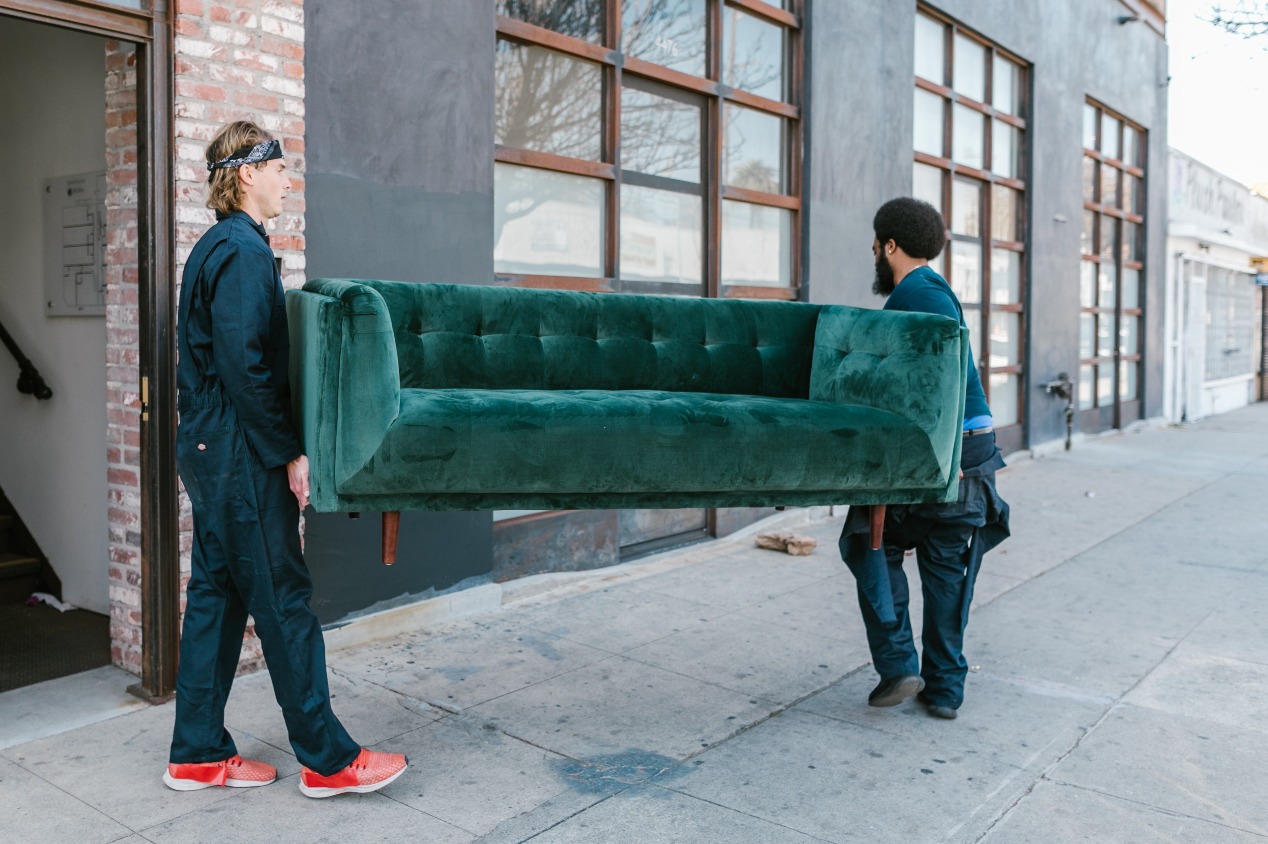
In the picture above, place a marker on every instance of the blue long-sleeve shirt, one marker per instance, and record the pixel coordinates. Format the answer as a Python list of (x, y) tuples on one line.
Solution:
[(925, 291)]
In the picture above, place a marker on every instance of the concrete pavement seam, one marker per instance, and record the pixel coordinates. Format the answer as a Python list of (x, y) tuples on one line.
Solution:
[(741, 812), (1109, 710), (1159, 809)]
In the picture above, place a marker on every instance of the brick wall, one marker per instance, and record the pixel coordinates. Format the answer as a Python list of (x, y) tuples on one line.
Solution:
[(234, 60), (123, 400)]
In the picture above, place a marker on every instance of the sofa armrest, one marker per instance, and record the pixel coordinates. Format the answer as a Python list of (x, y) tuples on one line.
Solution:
[(911, 364), (345, 379)]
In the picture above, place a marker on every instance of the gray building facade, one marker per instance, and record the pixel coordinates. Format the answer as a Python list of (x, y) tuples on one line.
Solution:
[(1039, 129)]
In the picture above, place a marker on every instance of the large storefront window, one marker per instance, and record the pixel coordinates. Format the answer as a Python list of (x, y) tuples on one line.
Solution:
[(1113, 247), (970, 130), (648, 146), (1230, 324)]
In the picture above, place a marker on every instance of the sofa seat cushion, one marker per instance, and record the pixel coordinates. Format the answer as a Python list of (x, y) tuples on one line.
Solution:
[(596, 441)]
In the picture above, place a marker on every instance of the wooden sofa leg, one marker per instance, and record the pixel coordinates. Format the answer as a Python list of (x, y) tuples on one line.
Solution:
[(391, 528), (878, 525)]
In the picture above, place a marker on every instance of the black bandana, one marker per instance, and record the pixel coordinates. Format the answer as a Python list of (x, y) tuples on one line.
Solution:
[(266, 151)]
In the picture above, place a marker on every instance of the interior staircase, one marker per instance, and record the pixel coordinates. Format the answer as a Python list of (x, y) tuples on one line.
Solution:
[(23, 567)]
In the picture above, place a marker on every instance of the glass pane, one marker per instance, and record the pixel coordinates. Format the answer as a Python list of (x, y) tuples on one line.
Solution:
[(1087, 285), (1131, 146), (660, 236), (1128, 335), (1105, 335), (1087, 376), (754, 154), (966, 273), (1005, 94), (756, 244), (1005, 150), (1005, 339), (1005, 213), (968, 76), (1134, 194), (1108, 242), (659, 136), (1131, 241), (1004, 398), (667, 32), (1104, 384), (1127, 380), (1109, 136), (1090, 179), (578, 18), (1087, 336), (1087, 241), (547, 223), (927, 185), (930, 123), (931, 49), (1005, 277), (1106, 286), (1089, 126), (966, 207), (968, 137), (1131, 288), (1109, 185), (754, 55), (548, 102), (973, 320)]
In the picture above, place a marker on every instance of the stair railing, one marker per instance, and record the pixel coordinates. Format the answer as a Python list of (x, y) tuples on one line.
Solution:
[(29, 379)]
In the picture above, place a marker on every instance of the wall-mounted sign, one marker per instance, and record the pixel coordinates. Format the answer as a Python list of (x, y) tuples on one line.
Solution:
[(75, 245)]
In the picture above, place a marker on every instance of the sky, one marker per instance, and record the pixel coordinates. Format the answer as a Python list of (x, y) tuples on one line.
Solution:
[(1218, 111)]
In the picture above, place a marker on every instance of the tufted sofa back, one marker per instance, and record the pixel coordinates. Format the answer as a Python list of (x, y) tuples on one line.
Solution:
[(456, 335)]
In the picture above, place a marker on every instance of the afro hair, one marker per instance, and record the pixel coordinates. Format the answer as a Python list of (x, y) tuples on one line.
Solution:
[(913, 224)]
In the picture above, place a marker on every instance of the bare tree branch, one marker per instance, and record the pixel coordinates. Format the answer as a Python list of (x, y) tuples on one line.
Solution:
[(1247, 18)]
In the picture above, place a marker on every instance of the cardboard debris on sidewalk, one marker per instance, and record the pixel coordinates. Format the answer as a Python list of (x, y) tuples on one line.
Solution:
[(798, 546)]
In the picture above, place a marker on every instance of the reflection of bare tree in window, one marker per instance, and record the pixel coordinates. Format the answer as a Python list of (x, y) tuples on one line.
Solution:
[(667, 32), (578, 18), (754, 55), (755, 175), (660, 136), (754, 149), (547, 101)]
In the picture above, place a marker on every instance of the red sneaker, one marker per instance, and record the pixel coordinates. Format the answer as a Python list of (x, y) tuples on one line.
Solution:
[(370, 771), (234, 772)]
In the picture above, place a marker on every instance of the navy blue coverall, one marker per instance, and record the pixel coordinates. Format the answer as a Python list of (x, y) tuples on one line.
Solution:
[(949, 539), (232, 445)]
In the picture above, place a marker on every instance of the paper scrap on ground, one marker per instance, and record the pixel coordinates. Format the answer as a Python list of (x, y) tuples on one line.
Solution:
[(45, 598), (798, 546)]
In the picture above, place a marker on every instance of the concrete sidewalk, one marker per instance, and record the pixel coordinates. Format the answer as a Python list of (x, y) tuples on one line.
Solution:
[(1119, 657)]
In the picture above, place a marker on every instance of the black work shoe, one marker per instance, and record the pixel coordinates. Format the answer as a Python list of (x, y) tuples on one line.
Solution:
[(895, 690), (937, 710)]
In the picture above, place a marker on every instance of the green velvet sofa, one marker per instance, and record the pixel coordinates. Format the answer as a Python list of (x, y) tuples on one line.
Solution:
[(467, 397)]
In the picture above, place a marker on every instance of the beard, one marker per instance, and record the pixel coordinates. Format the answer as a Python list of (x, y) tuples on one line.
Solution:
[(883, 285)]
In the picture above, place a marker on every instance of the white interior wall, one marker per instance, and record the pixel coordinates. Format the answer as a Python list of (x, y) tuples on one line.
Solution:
[(52, 453)]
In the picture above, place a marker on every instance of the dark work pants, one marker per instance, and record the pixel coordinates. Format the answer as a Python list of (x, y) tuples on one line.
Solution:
[(943, 557), (247, 559)]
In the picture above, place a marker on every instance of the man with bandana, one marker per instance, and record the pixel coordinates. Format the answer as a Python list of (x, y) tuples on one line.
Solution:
[(247, 480), (949, 539)]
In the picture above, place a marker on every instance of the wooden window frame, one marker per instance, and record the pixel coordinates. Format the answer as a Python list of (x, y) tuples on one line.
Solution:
[(1110, 413), (1011, 434), (716, 95)]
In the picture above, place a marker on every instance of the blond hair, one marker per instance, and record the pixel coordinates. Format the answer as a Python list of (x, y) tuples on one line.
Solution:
[(224, 189)]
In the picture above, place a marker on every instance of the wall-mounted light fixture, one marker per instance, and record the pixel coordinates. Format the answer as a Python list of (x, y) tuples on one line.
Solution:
[(1124, 19)]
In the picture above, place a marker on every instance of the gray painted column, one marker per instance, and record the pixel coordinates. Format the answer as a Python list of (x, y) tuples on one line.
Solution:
[(400, 140)]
